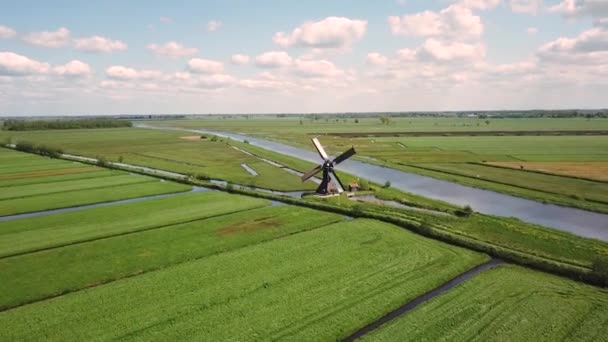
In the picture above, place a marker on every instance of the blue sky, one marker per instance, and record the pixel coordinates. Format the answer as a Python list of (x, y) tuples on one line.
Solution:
[(111, 57)]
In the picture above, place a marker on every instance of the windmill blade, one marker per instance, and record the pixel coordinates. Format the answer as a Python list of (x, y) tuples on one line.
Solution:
[(312, 172), (320, 149), (335, 177), (349, 153)]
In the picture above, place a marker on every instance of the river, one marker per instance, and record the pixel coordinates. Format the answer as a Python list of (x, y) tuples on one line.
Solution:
[(576, 221)]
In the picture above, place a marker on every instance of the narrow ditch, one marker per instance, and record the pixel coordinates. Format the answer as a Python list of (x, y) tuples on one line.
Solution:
[(411, 305)]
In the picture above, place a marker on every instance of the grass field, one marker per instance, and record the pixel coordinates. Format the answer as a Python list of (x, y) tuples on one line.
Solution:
[(590, 170), (167, 150), (508, 303), (32, 183), (448, 157), (34, 234), (35, 276), (322, 284)]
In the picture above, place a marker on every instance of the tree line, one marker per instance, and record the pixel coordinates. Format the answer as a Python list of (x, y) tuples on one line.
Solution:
[(32, 125)]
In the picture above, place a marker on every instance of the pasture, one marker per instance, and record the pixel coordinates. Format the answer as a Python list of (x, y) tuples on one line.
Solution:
[(31, 183), (180, 152), (506, 303), (318, 284), (463, 159)]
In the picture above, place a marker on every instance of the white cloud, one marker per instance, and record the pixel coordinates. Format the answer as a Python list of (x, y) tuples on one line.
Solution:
[(407, 54), (97, 44), (12, 64), (52, 39), (172, 49), (449, 51), (119, 72), (532, 30), (205, 66), (213, 25), (7, 32), (375, 58), (215, 81), (581, 8), (480, 4), (74, 68), (526, 6), (166, 20), (589, 48), (273, 59), (239, 59), (319, 68), (454, 22), (331, 32)]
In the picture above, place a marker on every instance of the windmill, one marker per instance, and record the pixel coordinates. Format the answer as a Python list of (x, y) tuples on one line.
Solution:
[(328, 183)]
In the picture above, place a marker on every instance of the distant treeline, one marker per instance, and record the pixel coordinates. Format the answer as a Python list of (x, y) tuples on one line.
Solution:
[(33, 125)]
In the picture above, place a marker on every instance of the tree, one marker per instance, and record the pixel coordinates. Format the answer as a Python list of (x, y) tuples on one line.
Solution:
[(301, 122), (385, 120), (356, 120), (487, 122)]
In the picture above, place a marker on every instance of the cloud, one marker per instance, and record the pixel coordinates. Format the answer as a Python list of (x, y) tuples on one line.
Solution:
[(53, 39), (375, 58), (74, 68), (331, 32), (318, 68), (215, 81), (213, 25), (166, 20), (526, 6), (453, 22), (172, 49), (7, 32), (407, 54), (12, 64), (449, 51), (532, 30), (273, 59), (97, 44), (581, 8), (119, 72), (205, 66), (587, 49), (480, 4), (239, 59)]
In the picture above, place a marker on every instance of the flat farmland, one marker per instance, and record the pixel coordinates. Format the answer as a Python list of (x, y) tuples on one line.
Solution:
[(590, 169), (30, 183), (45, 232), (174, 151), (508, 303), (36, 276), (320, 284)]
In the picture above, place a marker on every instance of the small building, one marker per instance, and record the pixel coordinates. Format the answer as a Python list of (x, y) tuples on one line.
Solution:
[(353, 187)]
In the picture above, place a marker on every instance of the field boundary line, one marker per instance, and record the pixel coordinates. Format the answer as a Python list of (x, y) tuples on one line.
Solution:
[(414, 303), (122, 234), (538, 171), (166, 266)]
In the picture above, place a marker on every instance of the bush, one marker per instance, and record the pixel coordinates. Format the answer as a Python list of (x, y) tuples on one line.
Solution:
[(25, 147), (464, 212), (599, 270), (387, 184), (102, 162), (213, 138), (246, 142)]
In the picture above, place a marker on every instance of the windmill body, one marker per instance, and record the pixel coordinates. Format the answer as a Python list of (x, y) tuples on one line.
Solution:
[(330, 183)]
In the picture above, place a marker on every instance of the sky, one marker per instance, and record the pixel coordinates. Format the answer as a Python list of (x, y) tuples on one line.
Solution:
[(238, 56)]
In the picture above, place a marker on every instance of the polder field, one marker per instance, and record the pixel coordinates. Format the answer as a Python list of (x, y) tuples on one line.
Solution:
[(30, 183), (223, 264), (182, 152), (555, 160)]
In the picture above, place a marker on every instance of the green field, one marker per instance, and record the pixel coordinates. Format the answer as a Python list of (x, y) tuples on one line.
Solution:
[(321, 284), (39, 233), (508, 303), (449, 157), (31, 183), (35, 276), (181, 152)]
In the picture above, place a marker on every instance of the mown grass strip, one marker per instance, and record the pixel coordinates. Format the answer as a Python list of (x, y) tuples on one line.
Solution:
[(95, 173), (507, 303), (41, 275), (89, 196), (34, 234), (321, 284), (73, 185)]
